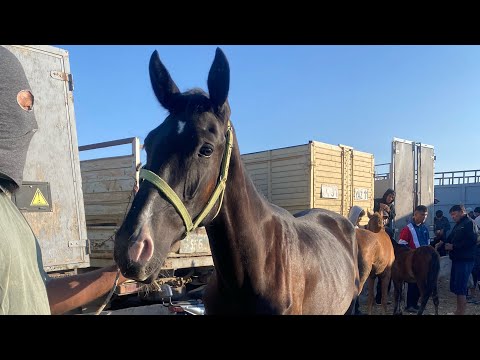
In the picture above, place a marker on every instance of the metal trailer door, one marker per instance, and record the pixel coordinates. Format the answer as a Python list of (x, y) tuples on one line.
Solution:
[(403, 160), (413, 173), (51, 198), (425, 171)]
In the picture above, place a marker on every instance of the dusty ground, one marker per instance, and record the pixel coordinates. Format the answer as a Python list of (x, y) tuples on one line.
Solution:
[(446, 298)]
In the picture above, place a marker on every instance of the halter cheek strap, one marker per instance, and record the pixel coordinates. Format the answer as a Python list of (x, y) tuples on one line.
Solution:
[(217, 194)]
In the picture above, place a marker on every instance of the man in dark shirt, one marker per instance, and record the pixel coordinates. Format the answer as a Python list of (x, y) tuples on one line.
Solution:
[(461, 243)]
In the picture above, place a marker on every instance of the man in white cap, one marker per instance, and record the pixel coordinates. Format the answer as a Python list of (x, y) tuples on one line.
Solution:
[(470, 213)]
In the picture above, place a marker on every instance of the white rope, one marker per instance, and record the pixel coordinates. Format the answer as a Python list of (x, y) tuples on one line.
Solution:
[(109, 295)]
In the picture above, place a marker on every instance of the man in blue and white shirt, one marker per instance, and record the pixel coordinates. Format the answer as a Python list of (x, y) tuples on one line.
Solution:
[(414, 235)]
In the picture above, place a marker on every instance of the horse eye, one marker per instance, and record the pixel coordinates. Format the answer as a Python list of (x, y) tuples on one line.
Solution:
[(206, 151)]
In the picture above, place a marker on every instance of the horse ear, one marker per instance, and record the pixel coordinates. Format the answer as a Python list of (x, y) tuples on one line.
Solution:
[(369, 214), (164, 87), (219, 80)]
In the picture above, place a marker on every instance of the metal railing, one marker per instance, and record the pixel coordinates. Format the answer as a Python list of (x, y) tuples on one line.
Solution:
[(457, 177), (440, 178), (382, 174)]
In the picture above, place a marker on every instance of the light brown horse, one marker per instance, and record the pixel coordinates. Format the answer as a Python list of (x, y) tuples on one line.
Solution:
[(376, 257)]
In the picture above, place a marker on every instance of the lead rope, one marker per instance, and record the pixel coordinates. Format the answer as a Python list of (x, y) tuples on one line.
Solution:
[(115, 283), (110, 294)]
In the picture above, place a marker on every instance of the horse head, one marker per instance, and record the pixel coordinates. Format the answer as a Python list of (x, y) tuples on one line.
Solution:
[(375, 222), (185, 172)]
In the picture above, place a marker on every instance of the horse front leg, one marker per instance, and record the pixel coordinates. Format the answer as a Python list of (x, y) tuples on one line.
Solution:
[(371, 282), (422, 289), (397, 294), (385, 282), (211, 297), (435, 298)]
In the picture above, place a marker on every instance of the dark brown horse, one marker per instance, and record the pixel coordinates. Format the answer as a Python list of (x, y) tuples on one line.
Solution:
[(266, 261), (420, 266), (376, 257)]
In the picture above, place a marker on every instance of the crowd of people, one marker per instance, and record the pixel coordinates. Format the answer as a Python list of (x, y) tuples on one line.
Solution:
[(461, 244)]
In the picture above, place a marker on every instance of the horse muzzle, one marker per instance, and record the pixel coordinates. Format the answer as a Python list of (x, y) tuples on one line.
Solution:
[(133, 257), (141, 251)]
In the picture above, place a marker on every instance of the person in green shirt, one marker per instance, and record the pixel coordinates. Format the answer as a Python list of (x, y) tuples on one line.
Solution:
[(25, 288)]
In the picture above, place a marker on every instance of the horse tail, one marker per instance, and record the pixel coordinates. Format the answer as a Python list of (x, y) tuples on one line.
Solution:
[(433, 271)]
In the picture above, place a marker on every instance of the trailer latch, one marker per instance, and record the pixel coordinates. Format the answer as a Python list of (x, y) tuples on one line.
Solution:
[(63, 76)]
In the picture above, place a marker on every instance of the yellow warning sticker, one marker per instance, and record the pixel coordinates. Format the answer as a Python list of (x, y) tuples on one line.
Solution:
[(39, 199)]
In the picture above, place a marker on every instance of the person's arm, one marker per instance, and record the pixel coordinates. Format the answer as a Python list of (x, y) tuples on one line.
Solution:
[(405, 237), (68, 293), (438, 244)]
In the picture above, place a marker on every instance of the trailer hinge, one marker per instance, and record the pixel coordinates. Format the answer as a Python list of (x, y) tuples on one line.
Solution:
[(59, 75), (80, 243)]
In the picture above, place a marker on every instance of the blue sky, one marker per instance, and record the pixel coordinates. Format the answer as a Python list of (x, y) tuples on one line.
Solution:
[(361, 96)]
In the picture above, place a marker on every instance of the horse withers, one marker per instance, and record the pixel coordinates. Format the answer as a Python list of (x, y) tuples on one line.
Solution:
[(266, 261)]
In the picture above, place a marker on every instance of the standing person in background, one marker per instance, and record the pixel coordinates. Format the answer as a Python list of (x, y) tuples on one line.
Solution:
[(355, 215), (470, 213), (461, 243), (441, 229), (476, 212), (476, 267), (385, 203)]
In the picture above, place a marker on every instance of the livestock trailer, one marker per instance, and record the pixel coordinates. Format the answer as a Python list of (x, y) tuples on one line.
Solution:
[(314, 175)]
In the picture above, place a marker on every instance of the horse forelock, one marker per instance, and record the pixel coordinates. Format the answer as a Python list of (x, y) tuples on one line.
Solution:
[(196, 101), (375, 223)]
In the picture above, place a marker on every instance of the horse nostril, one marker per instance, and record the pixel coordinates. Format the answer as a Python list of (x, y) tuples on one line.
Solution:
[(141, 251)]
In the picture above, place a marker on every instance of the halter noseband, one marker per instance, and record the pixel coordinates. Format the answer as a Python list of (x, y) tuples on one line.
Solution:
[(219, 191)]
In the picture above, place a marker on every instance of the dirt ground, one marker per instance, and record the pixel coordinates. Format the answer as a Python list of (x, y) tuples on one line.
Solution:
[(446, 298)]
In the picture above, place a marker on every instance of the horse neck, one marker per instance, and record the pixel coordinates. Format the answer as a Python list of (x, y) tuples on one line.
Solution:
[(398, 249), (234, 233)]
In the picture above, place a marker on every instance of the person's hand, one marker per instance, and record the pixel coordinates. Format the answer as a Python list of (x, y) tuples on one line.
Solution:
[(448, 246), (437, 245), (385, 207)]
